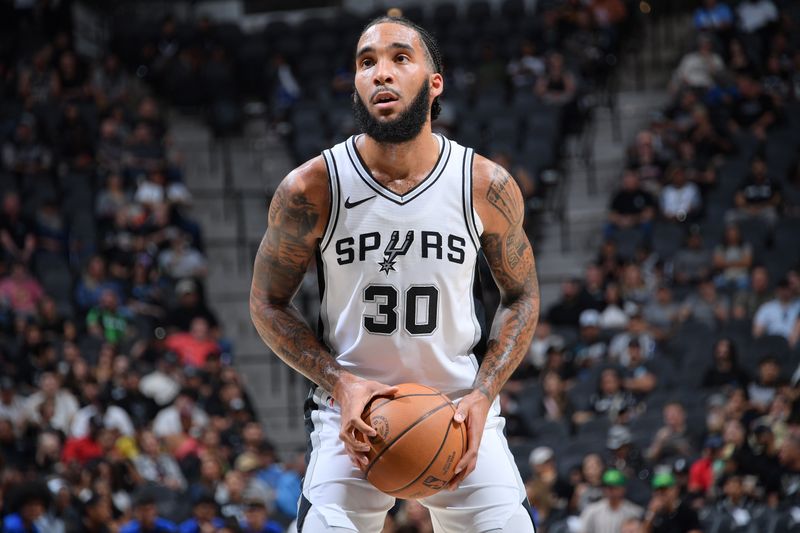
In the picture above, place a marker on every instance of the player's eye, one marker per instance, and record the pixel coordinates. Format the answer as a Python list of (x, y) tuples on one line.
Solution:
[(366, 63), (402, 58)]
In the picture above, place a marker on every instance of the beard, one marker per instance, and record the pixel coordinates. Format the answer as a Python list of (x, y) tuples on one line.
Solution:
[(402, 129)]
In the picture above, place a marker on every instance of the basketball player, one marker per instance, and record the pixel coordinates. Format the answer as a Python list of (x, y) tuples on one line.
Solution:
[(395, 218)]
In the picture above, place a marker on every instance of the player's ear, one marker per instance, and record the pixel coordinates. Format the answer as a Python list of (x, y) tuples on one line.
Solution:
[(436, 84)]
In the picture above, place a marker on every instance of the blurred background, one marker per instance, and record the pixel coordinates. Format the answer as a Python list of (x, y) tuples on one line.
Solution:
[(655, 142)]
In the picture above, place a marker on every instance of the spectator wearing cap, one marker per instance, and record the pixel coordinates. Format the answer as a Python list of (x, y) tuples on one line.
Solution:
[(702, 471), (590, 349), (194, 346), (666, 512), (29, 503), (549, 492), (779, 315), (204, 516), (693, 262), (154, 464), (248, 465), (189, 306), (608, 514), (146, 518), (725, 369), (631, 207), (624, 455), (675, 438)]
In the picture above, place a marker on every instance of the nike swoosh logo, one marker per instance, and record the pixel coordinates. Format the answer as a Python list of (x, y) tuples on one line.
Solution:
[(349, 205)]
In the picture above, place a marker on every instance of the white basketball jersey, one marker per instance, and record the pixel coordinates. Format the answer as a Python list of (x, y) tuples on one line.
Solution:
[(397, 272)]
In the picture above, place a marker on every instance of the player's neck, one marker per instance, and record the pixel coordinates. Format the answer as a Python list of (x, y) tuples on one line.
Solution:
[(400, 161)]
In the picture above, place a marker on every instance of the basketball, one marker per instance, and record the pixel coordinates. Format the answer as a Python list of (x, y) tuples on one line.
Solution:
[(417, 445)]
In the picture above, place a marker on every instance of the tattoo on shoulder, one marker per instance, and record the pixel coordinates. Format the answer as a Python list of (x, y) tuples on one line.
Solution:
[(294, 212), (503, 195)]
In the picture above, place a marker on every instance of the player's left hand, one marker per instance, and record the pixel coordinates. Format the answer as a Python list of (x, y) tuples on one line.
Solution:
[(472, 410)]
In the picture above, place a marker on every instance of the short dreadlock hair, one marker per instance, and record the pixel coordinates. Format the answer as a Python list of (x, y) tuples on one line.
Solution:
[(432, 53)]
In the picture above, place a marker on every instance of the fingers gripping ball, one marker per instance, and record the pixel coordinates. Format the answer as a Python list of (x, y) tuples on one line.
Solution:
[(417, 445)]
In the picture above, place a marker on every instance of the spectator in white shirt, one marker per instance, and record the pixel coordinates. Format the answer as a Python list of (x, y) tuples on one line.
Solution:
[(113, 417), (64, 403), (698, 69), (777, 316), (680, 200), (12, 405), (754, 15)]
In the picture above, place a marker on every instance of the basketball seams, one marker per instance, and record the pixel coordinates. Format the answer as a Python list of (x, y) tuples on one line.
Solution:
[(405, 430), (374, 408), (433, 460)]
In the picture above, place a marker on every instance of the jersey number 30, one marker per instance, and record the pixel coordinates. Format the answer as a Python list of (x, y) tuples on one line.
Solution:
[(420, 310)]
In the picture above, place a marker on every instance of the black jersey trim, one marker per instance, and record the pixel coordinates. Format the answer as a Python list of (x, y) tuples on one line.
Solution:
[(473, 224), (466, 198), (366, 175), (335, 188)]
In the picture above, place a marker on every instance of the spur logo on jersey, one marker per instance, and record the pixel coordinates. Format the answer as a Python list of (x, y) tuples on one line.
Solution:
[(430, 244), (392, 251)]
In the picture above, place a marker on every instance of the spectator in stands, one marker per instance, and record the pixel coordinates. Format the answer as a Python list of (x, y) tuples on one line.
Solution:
[(756, 15), (96, 403), (24, 155), (638, 378), (554, 403), (183, 411), (567, 311), (89, 447), (752, 110), (611, 400), (107, 320), (110, 149), (543, 339), (662, 313), (157, 466), (557, 86), (609, 513), (12, 405), (96, 516), (112, 199), (64, 403), (257, 520), (93, 283), (20, 292), (666, 512), (633, 285), (680, 199), (194, 346), (143, 153), (675, 438), (762, 390), (624, 455), (16, 230), (32, 499), (758, 197), (713, 17), (702, 472), (631, 207), (789, 456), (590, 348), (725, 369), (693, 262), (612, 316), (647, 160), (732, 260), (638, 328), (699, 69), (147, 519), (547, 488), (181, 260), (526, 68), (779, 315), (589, 488), (204, 516), (706, 306)]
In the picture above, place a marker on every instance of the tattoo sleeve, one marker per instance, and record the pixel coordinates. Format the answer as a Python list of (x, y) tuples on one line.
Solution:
[(281, 262), (510, 258)]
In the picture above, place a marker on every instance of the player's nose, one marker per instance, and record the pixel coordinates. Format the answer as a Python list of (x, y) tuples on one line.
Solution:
[(383, 73)]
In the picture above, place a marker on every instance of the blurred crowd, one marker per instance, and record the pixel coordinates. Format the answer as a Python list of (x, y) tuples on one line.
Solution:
[(120, 410), (660, 391)]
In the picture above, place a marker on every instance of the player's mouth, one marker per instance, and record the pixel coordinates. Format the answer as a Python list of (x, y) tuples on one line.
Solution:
[(384, 99)]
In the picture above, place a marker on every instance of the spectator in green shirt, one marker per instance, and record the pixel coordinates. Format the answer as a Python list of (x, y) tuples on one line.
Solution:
[(106, 320)]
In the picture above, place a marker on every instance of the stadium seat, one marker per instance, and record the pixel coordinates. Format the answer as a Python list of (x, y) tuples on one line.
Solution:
[(667, 239)]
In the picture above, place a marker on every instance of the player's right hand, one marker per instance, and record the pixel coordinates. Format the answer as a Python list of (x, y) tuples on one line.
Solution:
[(353, 394)]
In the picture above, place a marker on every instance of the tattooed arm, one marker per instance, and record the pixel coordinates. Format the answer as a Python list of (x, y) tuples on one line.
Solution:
[(499, 204), (297, 217)]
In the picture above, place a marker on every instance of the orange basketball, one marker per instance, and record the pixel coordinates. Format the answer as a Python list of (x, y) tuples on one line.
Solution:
[(417, 446)]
